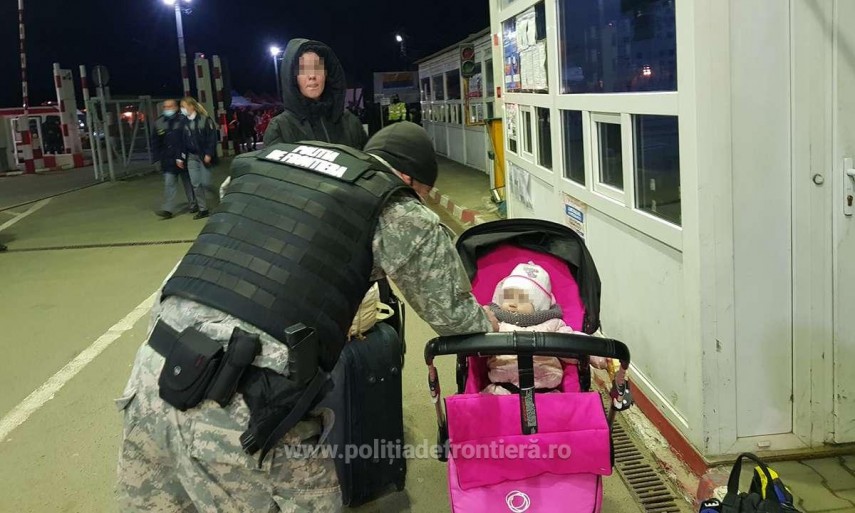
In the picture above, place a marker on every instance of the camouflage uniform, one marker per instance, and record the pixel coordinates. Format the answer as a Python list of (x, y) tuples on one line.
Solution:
[(193, 461)]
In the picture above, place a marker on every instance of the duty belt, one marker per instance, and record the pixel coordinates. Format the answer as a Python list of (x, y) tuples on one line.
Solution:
[(197, 368)]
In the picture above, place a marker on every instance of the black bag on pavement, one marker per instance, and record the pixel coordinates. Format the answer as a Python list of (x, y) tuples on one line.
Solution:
[(368, 430), (767, 493)]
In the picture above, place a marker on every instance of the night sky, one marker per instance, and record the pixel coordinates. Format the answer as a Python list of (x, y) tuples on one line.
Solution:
[(136, 39)]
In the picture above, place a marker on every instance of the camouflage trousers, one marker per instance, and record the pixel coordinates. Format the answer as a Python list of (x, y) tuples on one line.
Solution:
[(193, 461)]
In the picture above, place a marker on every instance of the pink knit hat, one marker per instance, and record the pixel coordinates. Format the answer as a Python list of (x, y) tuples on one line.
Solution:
[(531, 278)]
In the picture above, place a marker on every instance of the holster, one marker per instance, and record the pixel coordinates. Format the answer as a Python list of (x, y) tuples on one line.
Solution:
[(277, 403), (197, 367)]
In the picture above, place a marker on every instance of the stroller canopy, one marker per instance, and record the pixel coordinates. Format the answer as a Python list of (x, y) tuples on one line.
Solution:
[(544, 237)]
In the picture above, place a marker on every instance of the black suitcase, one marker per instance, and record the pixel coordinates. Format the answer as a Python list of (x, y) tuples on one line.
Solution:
[(368, 404)]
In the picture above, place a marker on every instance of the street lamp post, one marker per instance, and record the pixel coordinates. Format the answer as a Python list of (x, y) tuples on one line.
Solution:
[(275, 51), (400, 39), (182, 54)]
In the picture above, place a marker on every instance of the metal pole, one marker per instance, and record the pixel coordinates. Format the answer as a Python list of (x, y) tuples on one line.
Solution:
[(148, 117), (84, 85), (119, 121), (278, 84), (182, 54), (106, 129)]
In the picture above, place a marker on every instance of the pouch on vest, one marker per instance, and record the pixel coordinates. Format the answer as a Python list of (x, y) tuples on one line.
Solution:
[(191, 364)]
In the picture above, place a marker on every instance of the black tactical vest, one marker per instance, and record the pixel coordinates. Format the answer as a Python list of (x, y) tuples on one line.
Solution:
[(291, 241)]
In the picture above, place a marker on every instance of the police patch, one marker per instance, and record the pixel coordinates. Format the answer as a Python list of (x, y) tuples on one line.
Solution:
[(320, 160)]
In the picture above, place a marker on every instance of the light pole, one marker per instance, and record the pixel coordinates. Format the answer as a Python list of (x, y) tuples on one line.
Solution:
[(400, 39), (182, 54), (275, 51)]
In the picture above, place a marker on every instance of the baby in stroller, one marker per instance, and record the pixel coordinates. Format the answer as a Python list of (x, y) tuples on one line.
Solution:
[(523, 301)]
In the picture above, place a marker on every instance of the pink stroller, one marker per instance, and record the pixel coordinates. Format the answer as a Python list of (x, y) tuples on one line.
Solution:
[(543, 453)]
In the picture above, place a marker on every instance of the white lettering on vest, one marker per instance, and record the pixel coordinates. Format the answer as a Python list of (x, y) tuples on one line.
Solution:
[(308, 157)]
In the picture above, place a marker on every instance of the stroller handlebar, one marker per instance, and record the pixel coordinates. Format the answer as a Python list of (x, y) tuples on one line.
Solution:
[(560, 345)]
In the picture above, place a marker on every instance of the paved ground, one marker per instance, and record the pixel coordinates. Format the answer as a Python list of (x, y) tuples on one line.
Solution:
[(59, 306)]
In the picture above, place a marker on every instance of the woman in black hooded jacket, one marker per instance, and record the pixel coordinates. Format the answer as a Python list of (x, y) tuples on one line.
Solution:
[(314, 90)]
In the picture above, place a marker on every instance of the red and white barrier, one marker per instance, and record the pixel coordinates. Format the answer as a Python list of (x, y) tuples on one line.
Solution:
[(67, 100), (221, 108), (203, 83), (24, 121)]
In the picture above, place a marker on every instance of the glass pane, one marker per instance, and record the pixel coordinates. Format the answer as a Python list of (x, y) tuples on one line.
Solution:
[(452, 80), (489, 83), (489, 114), (438, 88), (611, 155), (475, 85), (524, 51), (526, 115), (426, 89), (544, 138), (574, 161), (615, 46), (657, 166)]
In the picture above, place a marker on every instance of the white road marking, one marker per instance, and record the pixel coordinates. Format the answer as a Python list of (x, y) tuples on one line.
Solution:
[(51, 387), (29, 211)]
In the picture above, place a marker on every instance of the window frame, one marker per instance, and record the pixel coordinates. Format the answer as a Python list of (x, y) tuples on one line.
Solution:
[(598, 186), (527, 137)]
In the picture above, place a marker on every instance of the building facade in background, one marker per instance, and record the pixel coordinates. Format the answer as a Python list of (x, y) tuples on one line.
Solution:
[(454, 108), (700, 146)]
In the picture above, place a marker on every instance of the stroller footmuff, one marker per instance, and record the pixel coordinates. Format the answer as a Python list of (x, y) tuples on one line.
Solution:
[(492, 465)]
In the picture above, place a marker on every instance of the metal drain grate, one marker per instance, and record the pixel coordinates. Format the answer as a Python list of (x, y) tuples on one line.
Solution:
[(638, 471), (107, 245)]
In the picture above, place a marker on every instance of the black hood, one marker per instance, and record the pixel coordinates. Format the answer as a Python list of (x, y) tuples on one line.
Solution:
[(331, 103)]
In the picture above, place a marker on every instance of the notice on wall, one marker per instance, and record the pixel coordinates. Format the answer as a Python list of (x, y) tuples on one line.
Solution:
[(540, 81), (511, 111), (533, 67), (520, 185), (526, 30), (575, 214)]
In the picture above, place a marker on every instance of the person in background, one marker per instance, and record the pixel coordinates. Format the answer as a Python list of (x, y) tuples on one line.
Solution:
[(200, 148), (247, 125), (397, 110), (235, 133), (314, 91), (168, 146)]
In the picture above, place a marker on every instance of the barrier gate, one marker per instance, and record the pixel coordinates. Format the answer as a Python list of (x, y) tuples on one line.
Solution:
[(121, 136)]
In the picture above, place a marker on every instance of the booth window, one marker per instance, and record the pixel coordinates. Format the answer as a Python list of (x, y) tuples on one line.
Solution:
[(609, 150), (544, 138), (574, 157), (438, 88), (452, 80), (657, 167), (489, 83), (527, 132), (614, 46), (525, 51)]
